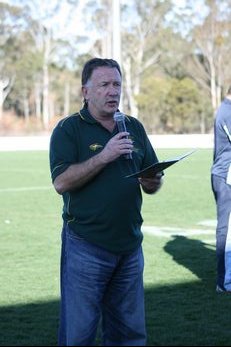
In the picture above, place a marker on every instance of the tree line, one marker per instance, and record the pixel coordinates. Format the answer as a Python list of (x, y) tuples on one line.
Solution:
[(175, 60)]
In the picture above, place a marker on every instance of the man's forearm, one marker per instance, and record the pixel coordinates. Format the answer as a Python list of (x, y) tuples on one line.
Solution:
[(77, 175)]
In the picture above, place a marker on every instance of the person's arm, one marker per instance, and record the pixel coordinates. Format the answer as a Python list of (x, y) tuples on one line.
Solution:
[(77, 175), (226, 130), (151, 185)]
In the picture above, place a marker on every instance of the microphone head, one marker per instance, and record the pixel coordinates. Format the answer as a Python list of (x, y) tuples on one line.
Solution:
[(118, 117)]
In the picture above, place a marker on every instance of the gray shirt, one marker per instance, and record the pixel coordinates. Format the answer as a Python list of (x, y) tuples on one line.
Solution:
[(222, 140)]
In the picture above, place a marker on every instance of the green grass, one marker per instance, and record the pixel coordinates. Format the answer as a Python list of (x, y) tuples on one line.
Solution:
[(182, 307), (186, 197)]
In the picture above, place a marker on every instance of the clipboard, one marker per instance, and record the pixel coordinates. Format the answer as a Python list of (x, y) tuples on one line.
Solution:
[(155, 168)]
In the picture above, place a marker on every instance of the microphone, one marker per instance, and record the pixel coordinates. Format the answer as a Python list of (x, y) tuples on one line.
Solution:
[(119, 118)]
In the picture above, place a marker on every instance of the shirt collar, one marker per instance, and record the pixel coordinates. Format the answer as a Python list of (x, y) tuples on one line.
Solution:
[(86, 116)]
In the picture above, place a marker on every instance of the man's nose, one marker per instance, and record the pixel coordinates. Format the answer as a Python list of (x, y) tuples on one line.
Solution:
[(114, 90)]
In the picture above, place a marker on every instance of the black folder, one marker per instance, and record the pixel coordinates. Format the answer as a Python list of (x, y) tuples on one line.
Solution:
[(155, 168)]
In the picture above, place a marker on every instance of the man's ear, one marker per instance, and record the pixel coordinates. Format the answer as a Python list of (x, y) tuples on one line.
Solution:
[(84, 92)]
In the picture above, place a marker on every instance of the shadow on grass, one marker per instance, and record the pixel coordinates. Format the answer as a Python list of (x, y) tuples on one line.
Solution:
[(29, 325), (185, 314), (196, 256), (190, 313)]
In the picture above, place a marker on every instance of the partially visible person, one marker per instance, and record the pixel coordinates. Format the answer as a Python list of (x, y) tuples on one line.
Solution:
[(221, 185), (102, 258)]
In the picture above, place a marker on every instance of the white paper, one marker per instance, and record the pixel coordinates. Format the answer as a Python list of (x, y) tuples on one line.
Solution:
[(228, 178), (227, 131)]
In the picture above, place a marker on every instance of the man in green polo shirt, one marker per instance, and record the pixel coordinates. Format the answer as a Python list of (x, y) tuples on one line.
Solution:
[(102, 259)]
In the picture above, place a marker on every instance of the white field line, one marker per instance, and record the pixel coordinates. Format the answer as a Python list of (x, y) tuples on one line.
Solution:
[(153, 230), (209, 223), (22, 170), (24, 189), (170, 232)]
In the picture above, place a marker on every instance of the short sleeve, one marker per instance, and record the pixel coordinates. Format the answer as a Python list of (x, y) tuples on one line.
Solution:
[(63, 150)]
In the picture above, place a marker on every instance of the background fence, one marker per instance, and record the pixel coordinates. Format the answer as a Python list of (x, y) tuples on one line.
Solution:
[(13, 143)]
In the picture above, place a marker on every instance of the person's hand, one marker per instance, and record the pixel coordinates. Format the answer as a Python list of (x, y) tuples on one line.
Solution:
[(151, 185), (118, 145)]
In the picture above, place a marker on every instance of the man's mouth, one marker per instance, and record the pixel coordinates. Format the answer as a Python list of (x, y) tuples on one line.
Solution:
[(112, 103)]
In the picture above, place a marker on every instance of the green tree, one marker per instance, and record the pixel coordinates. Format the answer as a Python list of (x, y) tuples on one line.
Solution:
[(208, 60), (141, 44), (10, 25), (186, 109), (170, 105)]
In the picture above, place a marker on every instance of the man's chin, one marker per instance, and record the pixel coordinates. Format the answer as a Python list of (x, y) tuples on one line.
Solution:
[(111, 110)]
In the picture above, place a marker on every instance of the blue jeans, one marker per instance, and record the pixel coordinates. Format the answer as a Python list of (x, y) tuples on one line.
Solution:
[(100, 286), (222, 194)]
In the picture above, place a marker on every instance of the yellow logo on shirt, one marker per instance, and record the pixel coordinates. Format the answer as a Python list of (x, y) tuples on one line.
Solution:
[(95, 146)]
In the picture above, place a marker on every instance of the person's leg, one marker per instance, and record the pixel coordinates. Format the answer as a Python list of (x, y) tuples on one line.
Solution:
[(222, 193), (227, 283), (83, 280), (123, 312), (62, 305)]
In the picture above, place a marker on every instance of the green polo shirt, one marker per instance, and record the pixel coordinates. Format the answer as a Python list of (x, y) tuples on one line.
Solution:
[(107, 210)]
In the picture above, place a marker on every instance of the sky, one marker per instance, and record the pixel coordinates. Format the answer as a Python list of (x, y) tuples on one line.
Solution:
[(65, 23)]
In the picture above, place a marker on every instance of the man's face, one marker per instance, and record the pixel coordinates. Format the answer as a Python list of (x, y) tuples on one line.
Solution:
[(102, 91)]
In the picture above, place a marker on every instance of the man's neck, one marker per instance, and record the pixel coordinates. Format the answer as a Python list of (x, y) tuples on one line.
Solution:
[(106, 120)]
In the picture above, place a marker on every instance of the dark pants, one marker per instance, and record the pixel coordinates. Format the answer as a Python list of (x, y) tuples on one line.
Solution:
[(222, 194), (100, 286)]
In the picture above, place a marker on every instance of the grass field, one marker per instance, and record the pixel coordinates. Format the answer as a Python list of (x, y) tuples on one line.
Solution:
[(182, 307)]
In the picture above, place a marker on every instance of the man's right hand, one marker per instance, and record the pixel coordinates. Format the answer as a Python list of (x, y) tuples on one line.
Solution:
[(118, 145)]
